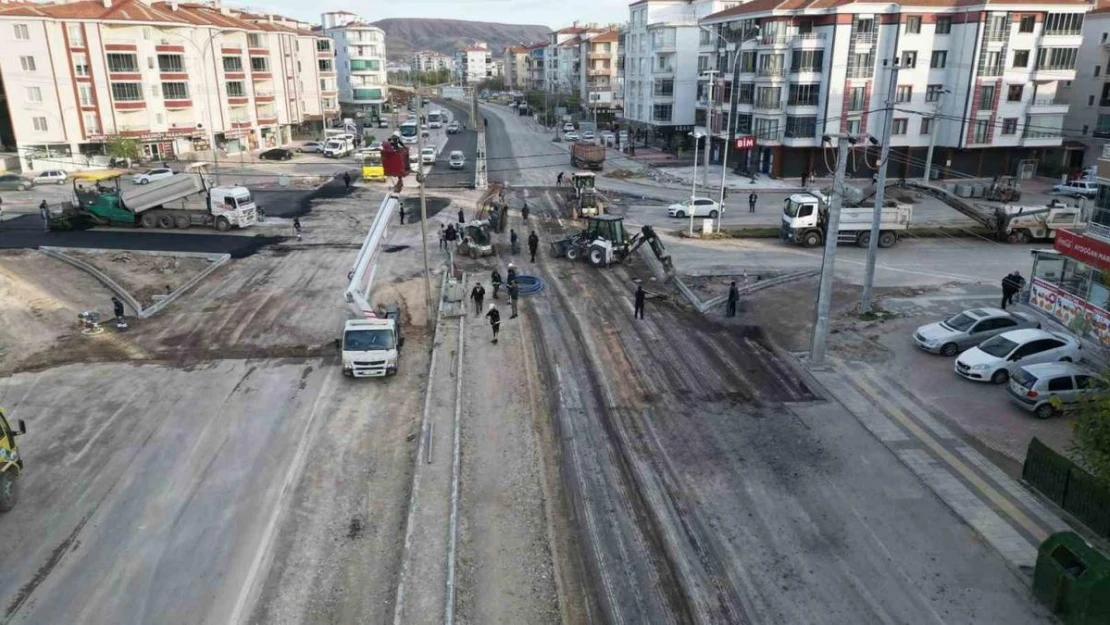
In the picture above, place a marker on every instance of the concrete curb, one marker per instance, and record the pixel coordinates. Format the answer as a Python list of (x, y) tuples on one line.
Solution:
[(764, 284), (118, 290), (212, 266)]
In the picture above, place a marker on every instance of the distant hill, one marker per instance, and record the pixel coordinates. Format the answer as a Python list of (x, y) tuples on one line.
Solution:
[(405, 35)]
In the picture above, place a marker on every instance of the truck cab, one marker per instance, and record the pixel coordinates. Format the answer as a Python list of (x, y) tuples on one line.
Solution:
[(801, 215), (235, 205), (370, 347)]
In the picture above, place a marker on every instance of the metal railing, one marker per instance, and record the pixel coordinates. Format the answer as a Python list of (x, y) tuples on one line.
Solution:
[(770, 71), (1047, 102), (860, 71), (768, 105), (773, 40), (812, 36), (1098, 230), (997, 35), (867, 37)]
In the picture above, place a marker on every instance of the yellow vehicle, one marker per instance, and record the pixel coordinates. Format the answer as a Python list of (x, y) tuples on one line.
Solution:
[(372, 169), (11, 465)]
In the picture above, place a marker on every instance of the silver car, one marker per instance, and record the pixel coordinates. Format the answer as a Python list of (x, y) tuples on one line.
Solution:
[(968, 329), (1053, 387)]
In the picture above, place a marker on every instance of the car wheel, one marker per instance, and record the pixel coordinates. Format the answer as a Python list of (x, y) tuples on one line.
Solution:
[(680, 214), (1044, 411), (144, 181), (712, 214), (62, 181), (949, 349), (22, 187), (1000, 376)]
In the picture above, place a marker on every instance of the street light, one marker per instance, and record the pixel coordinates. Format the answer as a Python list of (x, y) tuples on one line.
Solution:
[(694, 187)]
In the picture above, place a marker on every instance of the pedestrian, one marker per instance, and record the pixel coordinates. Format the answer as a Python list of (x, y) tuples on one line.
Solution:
[(1009, 288), (533, 244), (752, 199), (495, 280), (451, 235), (117, 308), (44, 212), (401, 214), (638, 311), (1019, 284), (559, 180), (804, 174), (494, 317), (524, 211), (297, 227), (514, 292), (443, 237), (514, 244), (347, 179), (733, 297), (478, 293), (511, 274), (462, 218)]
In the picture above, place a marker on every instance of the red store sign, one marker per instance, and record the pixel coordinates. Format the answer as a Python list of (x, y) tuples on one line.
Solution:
[(1083, 248)]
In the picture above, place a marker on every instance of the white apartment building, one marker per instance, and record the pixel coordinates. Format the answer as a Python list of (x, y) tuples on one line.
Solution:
[(432, 61), (535, 66), (661, 66), (598, 78), (516, 67), (474, 64), (1088, 96), (360, 61), (563, 71), (175, 77), (984, 78)]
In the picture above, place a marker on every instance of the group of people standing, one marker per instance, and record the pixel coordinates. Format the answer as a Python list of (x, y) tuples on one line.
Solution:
[(478, 296)]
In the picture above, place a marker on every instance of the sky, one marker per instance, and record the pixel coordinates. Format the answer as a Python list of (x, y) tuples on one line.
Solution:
[(551, 13)]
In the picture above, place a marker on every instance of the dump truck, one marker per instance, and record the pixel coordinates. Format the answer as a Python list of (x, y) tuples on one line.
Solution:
[(180, 201), (587, 155), (805, 221)]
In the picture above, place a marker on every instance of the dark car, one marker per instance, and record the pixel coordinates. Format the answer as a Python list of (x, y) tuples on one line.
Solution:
[(10, 182), (277, 154)]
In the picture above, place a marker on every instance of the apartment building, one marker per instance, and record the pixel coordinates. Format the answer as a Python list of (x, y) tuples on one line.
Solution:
[(431, 61), (474, 64), (175, 77), (563, 70), (359, 60), (598, 78), (535, 65), (661, 67), (984, 78), (1088, 96)]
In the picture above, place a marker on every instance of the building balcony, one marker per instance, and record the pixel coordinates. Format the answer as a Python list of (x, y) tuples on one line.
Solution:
[(267, 120), (238, 100), (768, 138), (256, 50), (800, 141), (774, 106), (811, 37), (120, 45), (996, 35), (770, 72), (263, 96), (178, 104), (773, 40), (1041, 139), (129, 105), (324, 54), (1048, 106), (599, 56), (366, 95), (663, 70), (860, 72), (124, 75)]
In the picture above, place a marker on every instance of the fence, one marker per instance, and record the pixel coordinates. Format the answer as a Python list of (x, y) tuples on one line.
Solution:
[(1068, 486)]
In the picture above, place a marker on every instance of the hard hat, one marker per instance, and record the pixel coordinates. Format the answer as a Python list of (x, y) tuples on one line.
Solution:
[(492, 306)]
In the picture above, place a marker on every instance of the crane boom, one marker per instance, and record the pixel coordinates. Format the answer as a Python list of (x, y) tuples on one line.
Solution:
[(361, 277)]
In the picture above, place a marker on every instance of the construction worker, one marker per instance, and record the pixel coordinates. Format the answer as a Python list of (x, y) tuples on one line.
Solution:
[(347, 180), (511, 277), (514, 292), (733, 297), (401, 212), (514, 243), (450, 235), (297, 227), (478, 293), (494, 317), (117, 308), (524, 211), (443, 236), (495, 280), (638, 311), (559, 180), (44, 212), (533, 244), (752, 199), (462, 218)]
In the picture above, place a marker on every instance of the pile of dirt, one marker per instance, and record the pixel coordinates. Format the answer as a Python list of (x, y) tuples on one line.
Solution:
[(621, 174), (147, 277)]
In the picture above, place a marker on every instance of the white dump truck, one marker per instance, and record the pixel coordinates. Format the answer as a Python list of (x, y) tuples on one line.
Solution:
[(805, 219)]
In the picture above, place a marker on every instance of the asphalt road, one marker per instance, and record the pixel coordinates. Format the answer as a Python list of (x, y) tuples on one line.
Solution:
[(442, 176)]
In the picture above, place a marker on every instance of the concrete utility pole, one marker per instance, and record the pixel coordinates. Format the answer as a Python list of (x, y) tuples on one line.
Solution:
[(824, 294), (429, 302), (934, 127), (709, 76), (880, 191), (694, 186)]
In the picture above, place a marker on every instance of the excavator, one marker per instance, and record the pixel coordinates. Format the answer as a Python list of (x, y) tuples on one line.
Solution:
[(604, 242), (583, 196)]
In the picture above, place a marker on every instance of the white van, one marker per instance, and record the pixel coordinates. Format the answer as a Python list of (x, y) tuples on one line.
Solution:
[(337, 148)]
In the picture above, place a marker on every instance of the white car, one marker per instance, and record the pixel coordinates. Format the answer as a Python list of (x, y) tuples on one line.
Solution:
[(428, 156), (1077, 188), (53, 176), (698, 207), (568, 127), (587, 135), (571, 136), (456, 160), (996, 358), (414, 158), (151, 175)]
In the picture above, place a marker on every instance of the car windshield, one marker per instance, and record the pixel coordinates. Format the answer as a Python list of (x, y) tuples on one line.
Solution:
[(998, 347), (961, 322), (367, 340)]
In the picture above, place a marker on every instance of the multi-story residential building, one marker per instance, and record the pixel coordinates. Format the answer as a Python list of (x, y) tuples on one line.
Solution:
[(536, 66), (496, 68), (1088, 96), (474, 64), (360, 61), (174, 77), (431, 61), (661, 67), (563, 57), (598, 78), (984, 78), (516, 67)]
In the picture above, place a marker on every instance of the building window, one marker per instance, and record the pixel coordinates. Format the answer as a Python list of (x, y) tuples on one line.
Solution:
[(40, 123), (939, 59), (703, 63), (1021, 58), (861, 65), (944, 26), (1009, 126), (233, 64), (768, 97), (904, 93), (21, 31), (127, 91), (76, 34), (34, 94), (254, 40), (27, 63), (80, 65), (1063, 24), (326, 65), (1090, 100), (126, 63), (664, 87), (804, 95), (85, 94), (260, 64), (913, 25), (235, 89), (856, 99), (1102, 126), (933, 93), (853, 126), (661, 113), (746, 93), (982, 131), (92, 124), (909, 58), (171, 63), (175, 90), (766, 128), (926, 125), (807, 61), (990, 63), (1056, 58), (1014, 93), (747, 62), (899, 127), (986, 97), (1098, 70), (1027, 23), (801, 127), (1105, 99)]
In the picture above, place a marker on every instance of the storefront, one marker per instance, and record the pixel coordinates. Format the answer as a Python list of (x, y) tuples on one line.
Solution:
[(1071, 283)]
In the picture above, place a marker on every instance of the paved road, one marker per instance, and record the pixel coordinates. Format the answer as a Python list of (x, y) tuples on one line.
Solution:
[(442, 176)]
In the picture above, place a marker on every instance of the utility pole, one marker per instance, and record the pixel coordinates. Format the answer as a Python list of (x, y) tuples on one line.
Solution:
[(933, 128), (880, 189), (709, 76), (423, 200), (824, 293), (694, 186)]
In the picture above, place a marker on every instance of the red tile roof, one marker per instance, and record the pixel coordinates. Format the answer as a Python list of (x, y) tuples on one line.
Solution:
[(154, 12), (767, 6), (609, 35)]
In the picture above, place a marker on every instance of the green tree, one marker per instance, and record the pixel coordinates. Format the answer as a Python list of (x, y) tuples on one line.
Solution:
[(123, 147), (1092, 435)]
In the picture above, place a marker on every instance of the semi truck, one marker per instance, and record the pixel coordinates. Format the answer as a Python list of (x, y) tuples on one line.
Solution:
[(180, 201), (805, 221), (587, 155)]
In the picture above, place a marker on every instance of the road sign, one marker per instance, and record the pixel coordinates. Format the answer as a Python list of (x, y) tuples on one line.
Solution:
[(745, 143)]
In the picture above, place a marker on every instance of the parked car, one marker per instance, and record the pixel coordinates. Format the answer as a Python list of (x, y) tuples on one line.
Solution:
[(310, 147), (1077, 188), (414, 158), (700, 207), (1053, 387), (382, 123), (53, 176), (568, 127), (277, 154), (995, 359), (969, 328), (571, 136), (456, 160), (428, 156), (151, 175), (14, 182), (588, 135)]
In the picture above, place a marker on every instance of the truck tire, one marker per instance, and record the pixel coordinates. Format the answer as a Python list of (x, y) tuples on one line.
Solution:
[(1025, 236), (863, 240), (8, 492), (811, 239), (149, 220), (222, 224), (596, 257), (182, 222), (573, 252), (165, 221), (887, 239)]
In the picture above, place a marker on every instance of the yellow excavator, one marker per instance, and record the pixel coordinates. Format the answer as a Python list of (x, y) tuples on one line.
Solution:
[(11, 465)]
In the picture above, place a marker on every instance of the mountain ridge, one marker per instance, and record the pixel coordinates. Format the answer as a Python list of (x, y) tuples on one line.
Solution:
[(405, 35)]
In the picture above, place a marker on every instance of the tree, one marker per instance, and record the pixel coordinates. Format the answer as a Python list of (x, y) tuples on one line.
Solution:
[(123, 147), (495, 83), (1092, 436)]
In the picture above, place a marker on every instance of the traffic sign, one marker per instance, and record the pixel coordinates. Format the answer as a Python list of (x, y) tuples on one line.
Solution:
[(745, 143)]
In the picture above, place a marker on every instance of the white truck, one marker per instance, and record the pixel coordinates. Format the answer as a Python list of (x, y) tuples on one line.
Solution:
[(805, 219), (339, 146)]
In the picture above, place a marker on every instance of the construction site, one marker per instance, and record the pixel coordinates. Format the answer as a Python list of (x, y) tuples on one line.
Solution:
[(219, 459)]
